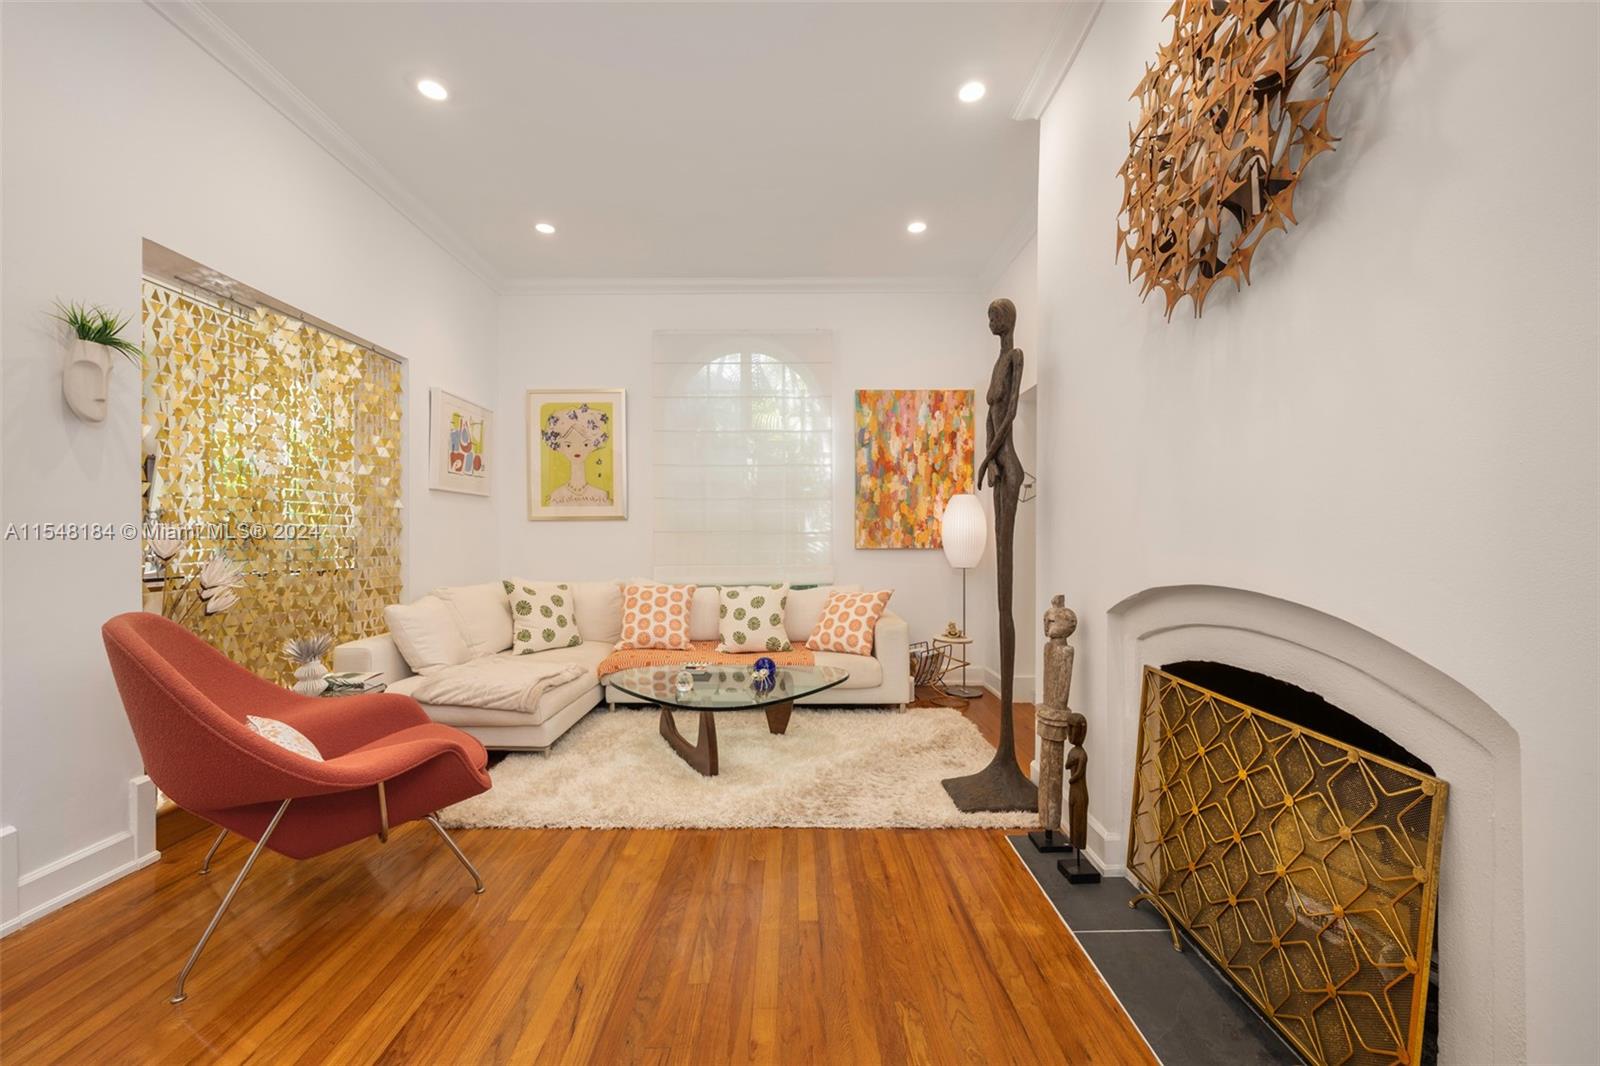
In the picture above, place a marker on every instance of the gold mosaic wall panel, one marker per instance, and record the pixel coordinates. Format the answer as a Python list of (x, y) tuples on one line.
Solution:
[(1306, 868), (278, 444)]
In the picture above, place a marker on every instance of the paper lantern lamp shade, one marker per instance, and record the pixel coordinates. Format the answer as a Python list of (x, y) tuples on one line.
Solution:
[(964, 530)]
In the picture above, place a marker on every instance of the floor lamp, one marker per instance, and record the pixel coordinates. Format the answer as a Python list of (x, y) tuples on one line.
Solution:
[(964, 530)]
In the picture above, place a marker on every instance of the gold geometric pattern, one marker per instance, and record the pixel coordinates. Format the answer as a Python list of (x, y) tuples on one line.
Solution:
[(278, 444), (1231, 113), (1306, 868)]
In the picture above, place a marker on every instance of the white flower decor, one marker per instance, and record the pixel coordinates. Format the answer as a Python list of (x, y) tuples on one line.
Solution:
[(164, 542), (302, 650), (307, 653), (214, 586), (220, 601), (219, 575)]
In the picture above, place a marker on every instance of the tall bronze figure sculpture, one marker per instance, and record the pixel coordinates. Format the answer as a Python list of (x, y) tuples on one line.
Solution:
[(1001, 786)]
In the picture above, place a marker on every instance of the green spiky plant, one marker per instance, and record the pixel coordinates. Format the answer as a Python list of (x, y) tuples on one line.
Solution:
[(96, 325)]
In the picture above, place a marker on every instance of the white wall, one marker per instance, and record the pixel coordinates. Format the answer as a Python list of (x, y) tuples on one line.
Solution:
[(882, 340), (118, 128), (1395, 424)]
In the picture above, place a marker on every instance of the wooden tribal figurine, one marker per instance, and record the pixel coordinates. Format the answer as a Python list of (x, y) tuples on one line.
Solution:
[(1051, 718)]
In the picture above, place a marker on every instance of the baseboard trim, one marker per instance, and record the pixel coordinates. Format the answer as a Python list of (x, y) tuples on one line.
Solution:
[(30, 896), (1022, 684), (1110, 844)]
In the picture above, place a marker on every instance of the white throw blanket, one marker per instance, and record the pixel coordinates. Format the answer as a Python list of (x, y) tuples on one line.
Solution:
[(500, 682)]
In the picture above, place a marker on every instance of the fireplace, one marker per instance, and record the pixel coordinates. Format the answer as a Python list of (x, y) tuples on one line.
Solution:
[(1389, 702)]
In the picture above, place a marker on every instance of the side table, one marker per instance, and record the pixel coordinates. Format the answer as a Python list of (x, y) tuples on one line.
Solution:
[(958, 660)]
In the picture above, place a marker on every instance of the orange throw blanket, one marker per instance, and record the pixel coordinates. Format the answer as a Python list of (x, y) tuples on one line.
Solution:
[(700, 651)]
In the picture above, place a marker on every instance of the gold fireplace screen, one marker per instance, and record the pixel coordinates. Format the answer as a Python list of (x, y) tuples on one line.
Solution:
[(1306, 868)]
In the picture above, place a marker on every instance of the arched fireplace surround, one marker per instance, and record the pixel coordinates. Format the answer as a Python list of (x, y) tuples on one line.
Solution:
[(1481, 1006)]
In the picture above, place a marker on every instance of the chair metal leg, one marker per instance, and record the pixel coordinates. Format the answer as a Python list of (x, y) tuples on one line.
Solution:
[(205, 867), (433, 820), (383, 815), (179, 995)]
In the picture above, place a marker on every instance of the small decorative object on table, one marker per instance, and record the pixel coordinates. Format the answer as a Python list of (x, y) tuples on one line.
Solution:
[(306, 653), (684, 682), (952, 630), (764, 675)]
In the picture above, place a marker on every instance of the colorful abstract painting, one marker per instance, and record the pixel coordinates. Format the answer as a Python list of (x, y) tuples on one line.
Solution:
[(914, 450), (458, 444)]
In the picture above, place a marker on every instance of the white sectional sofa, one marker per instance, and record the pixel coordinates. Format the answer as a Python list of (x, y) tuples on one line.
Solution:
[(472, 623)]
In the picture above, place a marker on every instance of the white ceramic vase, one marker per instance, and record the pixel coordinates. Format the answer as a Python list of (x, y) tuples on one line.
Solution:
[(310, 679)]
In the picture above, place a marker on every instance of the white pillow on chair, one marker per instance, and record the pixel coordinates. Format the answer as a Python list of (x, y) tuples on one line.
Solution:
[(284, 735)]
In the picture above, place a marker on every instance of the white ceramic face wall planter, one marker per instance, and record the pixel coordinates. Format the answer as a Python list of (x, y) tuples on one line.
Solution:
[(86, 379)]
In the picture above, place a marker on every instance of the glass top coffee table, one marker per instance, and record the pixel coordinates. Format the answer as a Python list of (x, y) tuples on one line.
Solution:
[(721, 687)]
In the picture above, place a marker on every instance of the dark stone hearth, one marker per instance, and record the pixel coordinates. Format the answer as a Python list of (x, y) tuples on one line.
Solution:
[(1188, 1012)]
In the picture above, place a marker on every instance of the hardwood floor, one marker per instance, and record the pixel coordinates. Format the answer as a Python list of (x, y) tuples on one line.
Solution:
[(667, 946)]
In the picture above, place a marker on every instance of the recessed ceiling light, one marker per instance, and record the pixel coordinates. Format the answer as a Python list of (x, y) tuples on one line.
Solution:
[(544, 228), (916, 226), (432, 89), (971, 92)]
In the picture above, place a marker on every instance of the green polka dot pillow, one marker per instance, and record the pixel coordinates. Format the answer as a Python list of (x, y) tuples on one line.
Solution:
[(750, 618), (542, 617)]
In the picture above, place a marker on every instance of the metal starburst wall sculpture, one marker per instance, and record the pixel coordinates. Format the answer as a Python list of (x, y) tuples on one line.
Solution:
[(1233, 110)]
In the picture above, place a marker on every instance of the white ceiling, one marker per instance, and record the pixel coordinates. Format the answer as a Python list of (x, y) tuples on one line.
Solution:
[(678, 140)]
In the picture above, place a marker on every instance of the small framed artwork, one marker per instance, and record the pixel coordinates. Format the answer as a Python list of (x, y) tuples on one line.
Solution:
[(577, 454), (460, 456)]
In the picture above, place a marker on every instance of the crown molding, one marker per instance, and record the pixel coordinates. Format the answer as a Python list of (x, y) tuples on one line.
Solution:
[(1072, 27), (738, 286), (1006, 252), (201, 25)]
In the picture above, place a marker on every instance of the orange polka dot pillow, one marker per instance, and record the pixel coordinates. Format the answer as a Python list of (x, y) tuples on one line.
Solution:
[(656, 616), (848, 622)]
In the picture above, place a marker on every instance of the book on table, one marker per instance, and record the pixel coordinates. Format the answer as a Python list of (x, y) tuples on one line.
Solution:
[(353, 679)]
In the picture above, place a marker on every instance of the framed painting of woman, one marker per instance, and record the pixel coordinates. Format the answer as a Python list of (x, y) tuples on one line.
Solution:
[(577, 454)]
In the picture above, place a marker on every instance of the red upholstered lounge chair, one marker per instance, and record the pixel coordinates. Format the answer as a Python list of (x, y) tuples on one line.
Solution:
[(386, 762)]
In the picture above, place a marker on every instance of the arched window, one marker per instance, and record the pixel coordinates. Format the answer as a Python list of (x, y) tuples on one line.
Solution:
[(742, 444)]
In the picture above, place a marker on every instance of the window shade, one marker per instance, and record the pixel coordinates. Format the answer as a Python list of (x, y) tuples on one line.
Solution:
[(743, 453)]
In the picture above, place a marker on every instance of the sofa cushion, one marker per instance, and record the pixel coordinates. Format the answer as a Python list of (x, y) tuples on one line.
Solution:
[(804, 609), (704, 614), (426, 634), (542, 617), (865, 671), (482, 615), (848, 622), (552, 703), (751, 618), (656, 616), (599, 606)]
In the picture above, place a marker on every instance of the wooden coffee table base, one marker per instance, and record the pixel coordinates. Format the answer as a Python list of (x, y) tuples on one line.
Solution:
[(702, 754)]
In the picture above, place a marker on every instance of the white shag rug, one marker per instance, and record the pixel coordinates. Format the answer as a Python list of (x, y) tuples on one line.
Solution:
[(833, 768)]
